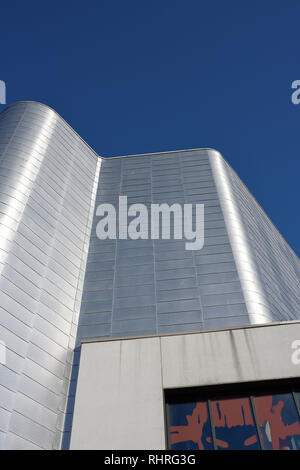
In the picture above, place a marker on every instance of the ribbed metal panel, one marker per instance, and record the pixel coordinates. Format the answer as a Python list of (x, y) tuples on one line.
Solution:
[(47, 179), (157, 286), (277, 264)]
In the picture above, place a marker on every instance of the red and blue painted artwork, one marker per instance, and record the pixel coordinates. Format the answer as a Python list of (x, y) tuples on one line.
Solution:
[(236, 423)]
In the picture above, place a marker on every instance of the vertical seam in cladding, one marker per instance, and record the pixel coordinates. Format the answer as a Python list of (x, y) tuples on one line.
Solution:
[(78, 296), (256, 302), (89, 224), (193, 254), (153, 247), (116, 251)]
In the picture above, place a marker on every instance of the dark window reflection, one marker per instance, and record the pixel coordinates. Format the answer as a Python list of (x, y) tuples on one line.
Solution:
[(234, 424), (190, 426), (278, 420), (298, 399)]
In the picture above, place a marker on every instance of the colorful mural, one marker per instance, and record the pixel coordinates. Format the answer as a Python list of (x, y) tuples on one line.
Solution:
[(236, 423), (278, 421)]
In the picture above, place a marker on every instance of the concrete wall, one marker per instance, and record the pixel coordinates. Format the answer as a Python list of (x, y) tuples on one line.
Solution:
[(119, 400)]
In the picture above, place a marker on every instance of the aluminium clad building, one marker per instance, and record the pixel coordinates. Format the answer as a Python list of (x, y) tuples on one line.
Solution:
[(138, 344)]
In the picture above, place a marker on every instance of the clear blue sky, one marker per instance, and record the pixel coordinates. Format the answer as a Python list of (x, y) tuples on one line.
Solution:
[(135, 76)]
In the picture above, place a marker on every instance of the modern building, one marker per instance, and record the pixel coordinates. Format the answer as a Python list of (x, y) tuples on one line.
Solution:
[(138, 344)]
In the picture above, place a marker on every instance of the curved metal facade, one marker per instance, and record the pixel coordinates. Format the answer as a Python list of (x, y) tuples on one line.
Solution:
[(157, 286), (245, 273), (47, 185), (60, 282)]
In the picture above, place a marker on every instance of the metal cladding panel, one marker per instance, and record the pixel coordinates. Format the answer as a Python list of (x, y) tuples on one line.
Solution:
[(146, 286), (47, 191), (135, 287), (277, 264)]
